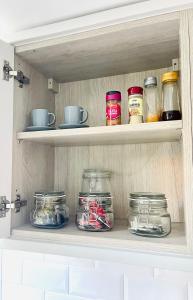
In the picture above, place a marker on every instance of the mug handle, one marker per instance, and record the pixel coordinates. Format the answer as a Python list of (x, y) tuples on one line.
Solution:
[(86, 117), (53, 119)]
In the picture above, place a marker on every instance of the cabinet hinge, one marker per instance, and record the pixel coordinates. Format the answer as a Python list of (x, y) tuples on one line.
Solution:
[(6, 205), (8, 73)]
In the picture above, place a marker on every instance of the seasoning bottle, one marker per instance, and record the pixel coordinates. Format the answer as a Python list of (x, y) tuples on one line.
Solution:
[(135, 104), (113, 108), (152, 103), (170, 94)]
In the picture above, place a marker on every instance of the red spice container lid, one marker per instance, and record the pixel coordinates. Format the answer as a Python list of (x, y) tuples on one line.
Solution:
[(113, 95), (135, 90)]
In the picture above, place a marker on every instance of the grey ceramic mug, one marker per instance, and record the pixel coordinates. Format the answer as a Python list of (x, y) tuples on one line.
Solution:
[(74, 115), (42, 117)]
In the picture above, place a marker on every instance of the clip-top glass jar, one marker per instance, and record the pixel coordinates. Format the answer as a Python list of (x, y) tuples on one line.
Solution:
[(148, 215), (50, 210), (95, 209), (95, 212)]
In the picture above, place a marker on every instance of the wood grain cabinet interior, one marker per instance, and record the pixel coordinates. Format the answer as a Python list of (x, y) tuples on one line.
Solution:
[(153, 157)]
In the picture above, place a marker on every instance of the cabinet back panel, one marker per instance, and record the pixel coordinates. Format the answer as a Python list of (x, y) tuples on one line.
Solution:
[(33, 164), (144, 167), (91, 94)]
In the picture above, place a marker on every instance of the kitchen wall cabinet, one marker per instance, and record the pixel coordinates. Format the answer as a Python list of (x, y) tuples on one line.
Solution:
[(148, 157)]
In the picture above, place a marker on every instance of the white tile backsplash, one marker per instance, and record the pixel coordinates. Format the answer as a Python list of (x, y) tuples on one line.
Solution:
[(56, 296), (20, 292), (32, 276), (12, 267), (45, 275), (190, 291), (83, 282), (174, 276), (149, 289), (95, 283), (12, 264), (131, 270), (73, 261)]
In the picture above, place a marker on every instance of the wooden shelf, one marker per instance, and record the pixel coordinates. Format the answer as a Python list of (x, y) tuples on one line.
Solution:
[(118, 238), (122, 134)]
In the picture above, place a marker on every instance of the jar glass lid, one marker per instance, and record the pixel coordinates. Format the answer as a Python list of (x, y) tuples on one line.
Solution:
[(153, 199), (95, 195), (94, 173), (148, 195), (50, 194)]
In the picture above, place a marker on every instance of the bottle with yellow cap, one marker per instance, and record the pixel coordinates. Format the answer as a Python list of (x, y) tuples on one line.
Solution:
[(171, 103)]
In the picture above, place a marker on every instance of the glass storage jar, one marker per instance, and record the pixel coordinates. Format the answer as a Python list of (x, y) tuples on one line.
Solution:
[(95, 212), (170, 94), (95, 208), (96, 181), (148, 215), (50, 210)]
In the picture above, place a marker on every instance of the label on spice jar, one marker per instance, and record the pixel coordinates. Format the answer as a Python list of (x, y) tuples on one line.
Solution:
[(135, 105), (113, 113)]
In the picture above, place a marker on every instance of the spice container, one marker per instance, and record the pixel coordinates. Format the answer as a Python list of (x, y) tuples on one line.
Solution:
[(170, 94), (152, 103), (95, 208), (148, 215), (135, 104), (113, 108), (50, 210)]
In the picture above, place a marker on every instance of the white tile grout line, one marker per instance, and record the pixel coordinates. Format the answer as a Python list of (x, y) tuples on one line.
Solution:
[(22, 262), (155, 273), (68, 283), (188, 291)]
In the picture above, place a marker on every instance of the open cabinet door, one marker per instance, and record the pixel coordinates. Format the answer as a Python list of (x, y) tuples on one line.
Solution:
[(6, 137)]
